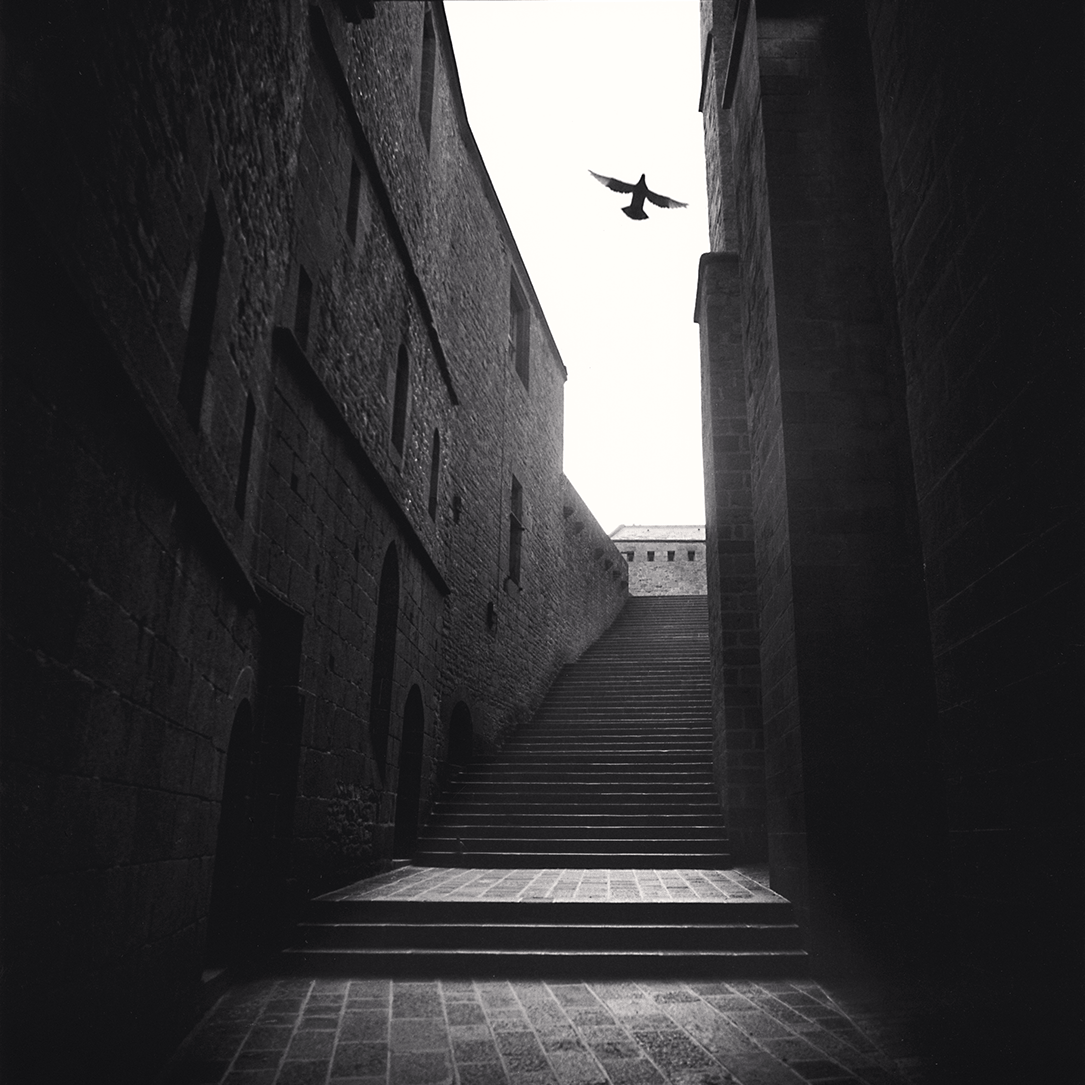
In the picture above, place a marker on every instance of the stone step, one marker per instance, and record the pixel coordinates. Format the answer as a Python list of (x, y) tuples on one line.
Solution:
[(575, 860), (543, 964)]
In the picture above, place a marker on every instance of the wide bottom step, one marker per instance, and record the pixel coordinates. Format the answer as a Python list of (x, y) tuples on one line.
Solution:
[(545, 964)]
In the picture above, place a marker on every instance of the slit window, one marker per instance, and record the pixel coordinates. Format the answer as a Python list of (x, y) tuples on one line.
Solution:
[(201, 317), (352, 202), (246, 456), (425, 90), (516, 529), (519, 328), (399, 400), (302, 308), (434, 473)]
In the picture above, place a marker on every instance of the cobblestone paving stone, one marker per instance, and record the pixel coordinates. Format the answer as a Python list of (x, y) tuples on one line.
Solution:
[(388, 1032), (451, 883)]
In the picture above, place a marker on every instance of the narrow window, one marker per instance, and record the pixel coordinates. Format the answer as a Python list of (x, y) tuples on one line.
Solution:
[(691, 555), (629, 555), (301, 309), (434, 473), (201, 321), (518, 331), (352, 202), (670, 555), (457, 508), (651, 555), (399, 400), (516, 530), (246, 455), (425, 90)]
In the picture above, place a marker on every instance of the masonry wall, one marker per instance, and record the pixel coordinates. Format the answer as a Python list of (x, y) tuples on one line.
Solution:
[(983, 182), (660, 575), (845, 663), (902, 214), (195, 565)]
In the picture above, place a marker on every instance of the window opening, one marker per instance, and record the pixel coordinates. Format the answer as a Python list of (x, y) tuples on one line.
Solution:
[(201, 320), (629, 554), (399, 401), (425, 92), (670, 555), (516, 529), (434, 473), (352, 202), (518, 332), (651, 555), (691, 555), (246, 454), (301, 309)]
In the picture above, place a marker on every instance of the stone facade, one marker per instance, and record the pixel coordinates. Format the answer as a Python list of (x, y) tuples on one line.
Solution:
[(891, 332), (663, 560), (285, 525)]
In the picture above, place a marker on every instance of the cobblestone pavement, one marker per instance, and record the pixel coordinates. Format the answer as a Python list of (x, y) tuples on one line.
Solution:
[(451, 883), (377, 1031)]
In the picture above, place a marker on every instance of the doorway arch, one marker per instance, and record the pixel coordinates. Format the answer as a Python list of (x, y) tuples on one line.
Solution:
[(409, 787), (232, 873), (460, 735)]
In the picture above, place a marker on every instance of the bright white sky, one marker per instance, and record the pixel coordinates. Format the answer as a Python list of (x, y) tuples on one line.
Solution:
[(555, 88)]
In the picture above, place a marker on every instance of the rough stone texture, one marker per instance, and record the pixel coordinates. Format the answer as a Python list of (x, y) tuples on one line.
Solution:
[(732, 580), (671, 570), (907, 224), (157, 593)]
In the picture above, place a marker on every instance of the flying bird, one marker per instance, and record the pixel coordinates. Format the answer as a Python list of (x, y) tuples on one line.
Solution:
[(640, 191)]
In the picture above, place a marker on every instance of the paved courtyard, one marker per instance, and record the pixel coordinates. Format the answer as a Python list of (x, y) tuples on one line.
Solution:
[(373, 1031)]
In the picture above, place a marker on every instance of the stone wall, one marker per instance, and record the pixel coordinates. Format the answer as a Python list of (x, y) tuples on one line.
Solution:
[(892, 215), (257, 385), (664, 566)]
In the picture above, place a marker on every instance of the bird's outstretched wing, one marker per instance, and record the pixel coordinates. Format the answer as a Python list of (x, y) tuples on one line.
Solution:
[(662, 201), (612, 182)]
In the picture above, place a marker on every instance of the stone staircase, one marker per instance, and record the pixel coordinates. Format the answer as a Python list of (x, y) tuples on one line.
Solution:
[(614, 772)]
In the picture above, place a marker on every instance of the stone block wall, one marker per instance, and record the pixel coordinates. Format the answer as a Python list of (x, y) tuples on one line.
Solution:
[(897, 216), (983, 185), (653, 571), (257, 381)]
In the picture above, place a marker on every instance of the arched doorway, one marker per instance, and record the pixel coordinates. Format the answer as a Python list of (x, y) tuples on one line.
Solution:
[(460, 736), (409, 789), (233, 871), (384, 656)]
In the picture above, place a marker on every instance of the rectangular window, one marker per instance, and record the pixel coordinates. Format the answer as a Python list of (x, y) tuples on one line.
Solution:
[(399, 399), (670, 555), (301, 309), (425, 90), (519, 328), (201, 317), (352, 202), (629, 554), (691, 555), (651, 555), (434, 474), (516, 529), (246, 455)]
